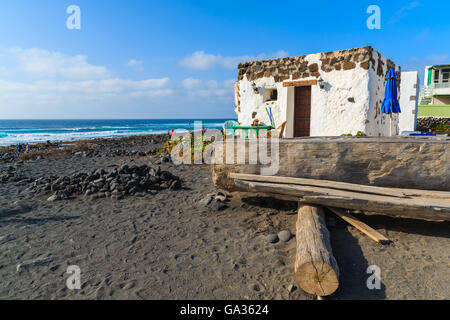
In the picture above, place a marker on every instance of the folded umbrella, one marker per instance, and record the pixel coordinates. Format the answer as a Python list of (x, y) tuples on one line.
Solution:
[(390, 103)]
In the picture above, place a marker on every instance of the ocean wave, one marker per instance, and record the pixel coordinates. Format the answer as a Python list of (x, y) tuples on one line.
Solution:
[(33, 131)]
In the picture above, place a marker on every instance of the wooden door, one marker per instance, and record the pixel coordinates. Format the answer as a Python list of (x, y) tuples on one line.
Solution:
[(302, 111)]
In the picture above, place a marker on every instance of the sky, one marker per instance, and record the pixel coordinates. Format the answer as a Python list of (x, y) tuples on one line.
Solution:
[(178, 59)]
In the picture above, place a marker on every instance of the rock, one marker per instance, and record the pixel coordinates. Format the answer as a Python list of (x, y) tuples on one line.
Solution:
[(291, 288), (206, 201), (284, 235), (218, 205), (272, 238), (220, 198), (35, 262), (175, 185), (53, 198)]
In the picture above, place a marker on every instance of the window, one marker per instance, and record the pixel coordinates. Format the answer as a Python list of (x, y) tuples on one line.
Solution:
[(445, 75), (270, 95), (436, 76)]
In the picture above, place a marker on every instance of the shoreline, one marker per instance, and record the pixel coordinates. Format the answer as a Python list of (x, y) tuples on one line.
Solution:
[(13, 132)]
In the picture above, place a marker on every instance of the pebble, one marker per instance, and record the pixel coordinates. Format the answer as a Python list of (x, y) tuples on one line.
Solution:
[(284, 235), (272, 238), (53, 198), (206, 201), (291, 288)]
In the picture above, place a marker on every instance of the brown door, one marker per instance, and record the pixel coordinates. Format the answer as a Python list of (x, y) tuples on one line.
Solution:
[(302, 111)]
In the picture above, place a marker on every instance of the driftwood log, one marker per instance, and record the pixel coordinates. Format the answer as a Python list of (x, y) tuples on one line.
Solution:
[(423, 207), (316, 269), (395, 162)]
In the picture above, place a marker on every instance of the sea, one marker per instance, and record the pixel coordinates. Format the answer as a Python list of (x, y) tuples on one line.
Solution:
[(36, 131)]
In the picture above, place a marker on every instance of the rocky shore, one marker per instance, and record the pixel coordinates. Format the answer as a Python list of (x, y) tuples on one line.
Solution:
[(140, 227)]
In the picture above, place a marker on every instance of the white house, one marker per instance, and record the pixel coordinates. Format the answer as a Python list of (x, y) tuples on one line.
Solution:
[(322, 94), (436, 89)]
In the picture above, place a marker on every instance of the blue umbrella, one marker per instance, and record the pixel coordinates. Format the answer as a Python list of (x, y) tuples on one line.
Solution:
[(390, 103)]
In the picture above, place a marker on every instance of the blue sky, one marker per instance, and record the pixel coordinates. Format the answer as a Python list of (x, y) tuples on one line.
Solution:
[(177, 59)]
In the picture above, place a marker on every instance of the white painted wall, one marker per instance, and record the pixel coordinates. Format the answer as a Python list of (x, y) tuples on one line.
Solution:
[(375, 126), (409, 87)]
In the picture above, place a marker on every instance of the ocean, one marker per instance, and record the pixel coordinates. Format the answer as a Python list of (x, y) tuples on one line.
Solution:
[(35, 131)]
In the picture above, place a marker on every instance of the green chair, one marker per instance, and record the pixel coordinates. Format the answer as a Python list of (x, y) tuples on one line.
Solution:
[(228, 126)]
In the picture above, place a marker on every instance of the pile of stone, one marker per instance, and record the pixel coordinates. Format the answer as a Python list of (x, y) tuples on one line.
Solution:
[(114, 153), (8, 157), (126, 181), (11, 174), (428, 124)]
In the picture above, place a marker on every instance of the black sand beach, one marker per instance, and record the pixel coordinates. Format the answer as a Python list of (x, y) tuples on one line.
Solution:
[(166, 244)]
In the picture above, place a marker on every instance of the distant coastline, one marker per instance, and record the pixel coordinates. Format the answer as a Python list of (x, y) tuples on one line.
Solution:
[(37, 131)]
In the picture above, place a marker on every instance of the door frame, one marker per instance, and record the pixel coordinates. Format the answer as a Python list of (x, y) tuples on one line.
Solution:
[(290, 100)]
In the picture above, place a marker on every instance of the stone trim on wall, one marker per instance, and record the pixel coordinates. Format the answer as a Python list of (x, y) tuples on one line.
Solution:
[(294, 68)]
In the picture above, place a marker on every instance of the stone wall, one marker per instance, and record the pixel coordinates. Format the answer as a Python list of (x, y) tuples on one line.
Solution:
[(300, 68), (427, 124), (441, 100)]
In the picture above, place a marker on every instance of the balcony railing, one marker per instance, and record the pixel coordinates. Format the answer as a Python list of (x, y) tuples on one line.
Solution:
[(442, 85)]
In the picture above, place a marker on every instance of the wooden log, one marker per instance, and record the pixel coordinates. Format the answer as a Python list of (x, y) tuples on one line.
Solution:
[(316, 269), (361, 226), (415, 207), (392, 192), (394, 162)]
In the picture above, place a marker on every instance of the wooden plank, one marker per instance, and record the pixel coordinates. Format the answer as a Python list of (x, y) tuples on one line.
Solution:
[(316, 269), (361, 226), (417, 208), (299, 83), (393, 192)]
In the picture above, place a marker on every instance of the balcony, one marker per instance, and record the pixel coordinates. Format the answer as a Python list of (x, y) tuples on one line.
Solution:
[(441, 89)]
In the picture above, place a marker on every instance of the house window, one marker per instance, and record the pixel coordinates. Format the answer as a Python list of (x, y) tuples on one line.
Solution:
[(445, 75), (270, 95), (436, 76)]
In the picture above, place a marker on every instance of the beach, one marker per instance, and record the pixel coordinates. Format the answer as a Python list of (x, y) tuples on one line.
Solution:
[(166, 243)]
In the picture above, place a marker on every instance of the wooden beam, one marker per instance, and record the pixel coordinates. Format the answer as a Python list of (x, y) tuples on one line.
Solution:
[(361, 226), (316, 269), (299, 83), (393, 192), (417, 208)]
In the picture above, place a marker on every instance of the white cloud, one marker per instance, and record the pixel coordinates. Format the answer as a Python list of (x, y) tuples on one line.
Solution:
[(208, 88), (200, 60), (32, 80), (36, 76), (137, 65), (54, 64), (191, 83), (53, 92), (403, 11)]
